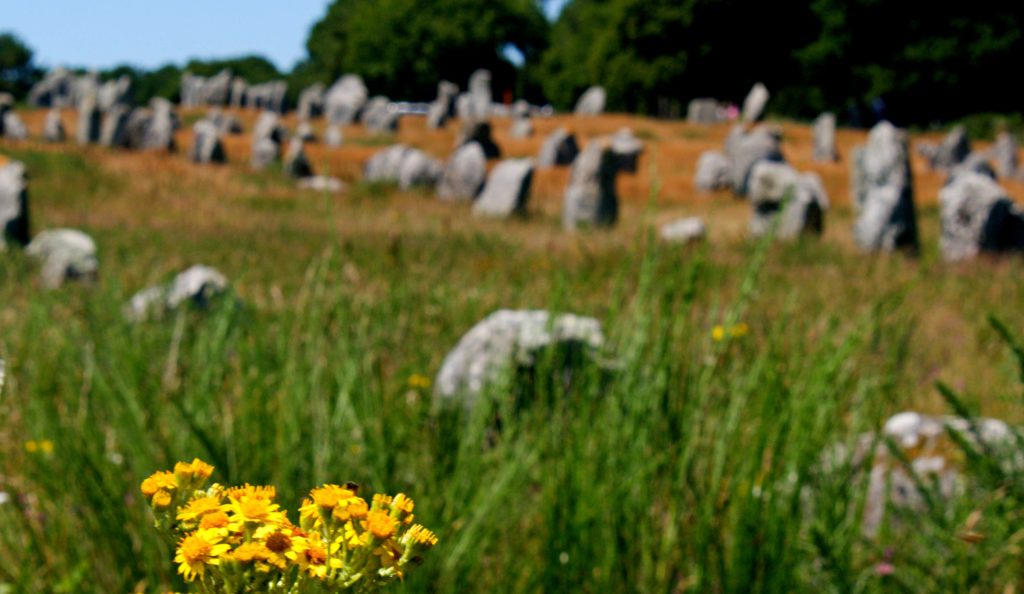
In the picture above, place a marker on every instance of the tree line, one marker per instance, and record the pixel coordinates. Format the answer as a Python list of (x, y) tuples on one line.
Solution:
[(916, 62)]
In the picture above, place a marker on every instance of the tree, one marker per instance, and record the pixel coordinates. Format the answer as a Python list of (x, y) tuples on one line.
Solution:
[(16, 71), (403, 48), (254, 69)]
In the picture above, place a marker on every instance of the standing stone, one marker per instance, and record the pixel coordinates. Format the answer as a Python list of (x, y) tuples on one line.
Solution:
[(559, 148), (825, 138), (311, 102), (478, 131), (442, 108), (66, 255), (405, 166), (239, 87), (590, 198), (745, 149), (114, 92), (978, 216), (480, 98), (1004, 152), (791, 202), (13, 127), (510, 339), (753, 105), (54, 90), (89, 120), (53, 128), (418, 170), (704, 111), (13, 204), (198, 285), (113, 127), (333, 136), (714, 171), (378, 117), (296, 163), (227, 123), (686, 230), (264, 152), (952, 151), (305, 131), (592, 102), (883, 190), (507, 190), (159, 133), (206, 144), (464, 174), (6, 104), (627, 149), (522, 127), (344, 101)]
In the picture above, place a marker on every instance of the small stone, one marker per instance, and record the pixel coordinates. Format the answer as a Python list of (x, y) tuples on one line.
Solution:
[(714, 171), (507, 190), (590, 198), (66, 255), (592, 102), (559, 148), (686, 230), (464, 174), (14, 226)]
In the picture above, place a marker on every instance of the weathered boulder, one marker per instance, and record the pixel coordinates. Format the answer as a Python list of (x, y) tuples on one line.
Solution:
[(206, 144), (322, 183), (65, 255), (754, 104), (714, 171), (746, 149), (344, 101), (13, 205), (952, 151), (825, 138), (934, 457), (704, 111), (53, 127), (685, 230), (592, 102), (198, 285), (627, 149), (559, 148), (478, 131), (976, 162), (311, 102), (781, 198), (590, 198), (883, 190), (296, 163), (378, 117), (978, 216), (513, 340), (507, 190), (442, 108), (464, 174)]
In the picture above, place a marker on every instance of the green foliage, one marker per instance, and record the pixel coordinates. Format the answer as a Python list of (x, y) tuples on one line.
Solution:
[(16, 71), (255, 69), (402, 48)]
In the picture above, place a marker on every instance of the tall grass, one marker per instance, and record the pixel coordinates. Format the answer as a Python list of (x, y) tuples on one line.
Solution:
[(683, 464)]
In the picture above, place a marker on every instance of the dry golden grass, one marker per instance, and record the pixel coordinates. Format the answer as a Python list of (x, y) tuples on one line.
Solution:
[(160, 212)]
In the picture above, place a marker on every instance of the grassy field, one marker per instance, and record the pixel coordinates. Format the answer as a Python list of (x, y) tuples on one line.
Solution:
[(694, 466)]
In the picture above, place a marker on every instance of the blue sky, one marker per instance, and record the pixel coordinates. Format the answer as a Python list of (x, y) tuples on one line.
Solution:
[(148, 33)]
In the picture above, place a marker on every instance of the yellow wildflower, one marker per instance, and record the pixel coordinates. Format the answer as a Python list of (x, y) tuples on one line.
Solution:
[(418, 535), (214, 520), (31, 446), (739, 330), (162, 499), (381, 501), (195, 471), (328, 497), (311, 555), (198, 507), (249, 552), (196, 551), (380, 524), (159, 481), (419, 382), (254, 510), (718, 333), (268, 493)]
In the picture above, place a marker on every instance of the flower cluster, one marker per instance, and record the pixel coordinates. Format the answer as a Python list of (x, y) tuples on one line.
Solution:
[(719, 332), (237, 539)]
